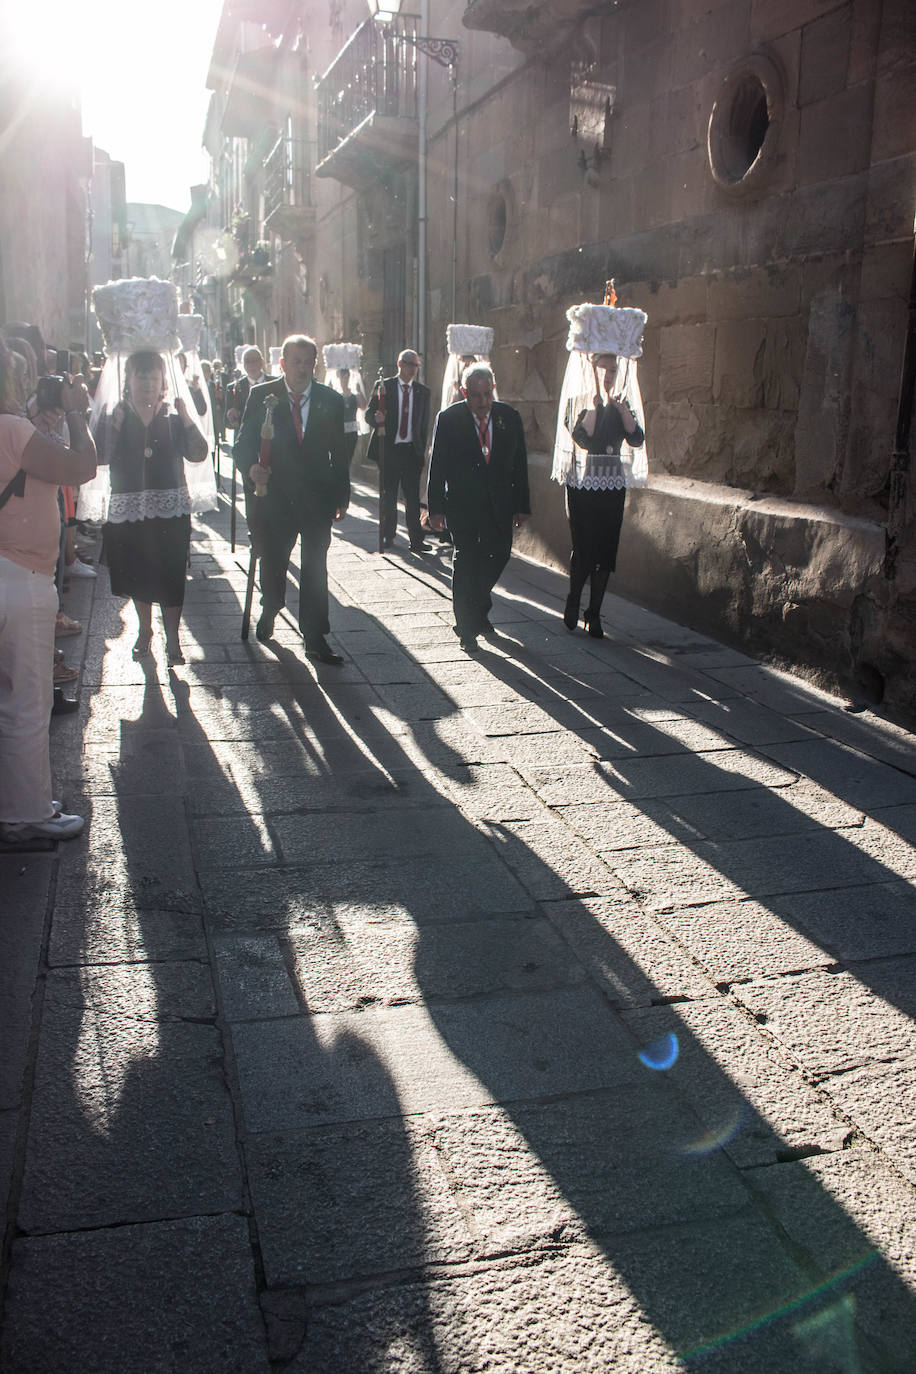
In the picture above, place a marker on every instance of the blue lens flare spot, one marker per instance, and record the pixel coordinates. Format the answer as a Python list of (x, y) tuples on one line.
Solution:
[(661, 1054)]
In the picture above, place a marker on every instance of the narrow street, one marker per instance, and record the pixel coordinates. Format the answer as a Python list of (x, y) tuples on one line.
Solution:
[(550, 1010)]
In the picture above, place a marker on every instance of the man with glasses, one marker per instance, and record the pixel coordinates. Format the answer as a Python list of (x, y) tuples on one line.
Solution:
[(400, 408)]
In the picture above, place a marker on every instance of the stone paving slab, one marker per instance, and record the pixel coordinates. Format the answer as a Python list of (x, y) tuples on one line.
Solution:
[(136, 1299), (860, 781), (345, 1203), (753, 1102), (387, 960), (286, 898), (874, 1216), (551, 861), (388, 1061), (830, 1021), (134, 1103), (601, 1164), (516, 1315), (738, 940), (25, 882), (712, 871), (631, 957), (857, 922), (134, 852)]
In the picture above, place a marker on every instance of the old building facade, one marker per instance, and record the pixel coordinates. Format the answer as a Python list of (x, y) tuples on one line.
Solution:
[(746, 171)]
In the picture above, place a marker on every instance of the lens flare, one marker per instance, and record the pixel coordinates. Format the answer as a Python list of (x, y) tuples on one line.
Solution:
[(661, 1054), (717, 1136)]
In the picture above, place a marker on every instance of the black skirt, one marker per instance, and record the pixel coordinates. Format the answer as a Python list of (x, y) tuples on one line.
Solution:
[(148, 559), (595, 519)]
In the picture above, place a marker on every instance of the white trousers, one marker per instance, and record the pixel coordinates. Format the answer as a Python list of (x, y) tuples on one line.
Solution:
[(28, 607)]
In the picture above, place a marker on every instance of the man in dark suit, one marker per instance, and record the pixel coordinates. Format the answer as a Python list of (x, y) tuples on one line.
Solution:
[(406, 423), (478, 483), (237, 393), (297, 483)]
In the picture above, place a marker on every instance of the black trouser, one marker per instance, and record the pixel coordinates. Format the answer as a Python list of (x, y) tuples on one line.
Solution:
[(275, 538), (403, 466), (480, 555)]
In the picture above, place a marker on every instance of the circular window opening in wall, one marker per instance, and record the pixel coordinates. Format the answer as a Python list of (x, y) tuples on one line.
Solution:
[(744, 126), (497, 222)]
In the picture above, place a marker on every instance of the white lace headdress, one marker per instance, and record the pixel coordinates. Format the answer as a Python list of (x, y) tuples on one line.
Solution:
[(474, 341), (593, 330), (349, 356)]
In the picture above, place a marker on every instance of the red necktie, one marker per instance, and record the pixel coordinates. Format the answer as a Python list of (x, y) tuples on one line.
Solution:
[(483, 431), (296, 404), (405, 411)]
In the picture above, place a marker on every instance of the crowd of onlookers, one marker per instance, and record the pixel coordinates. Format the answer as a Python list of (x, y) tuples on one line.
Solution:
[(46, 452)]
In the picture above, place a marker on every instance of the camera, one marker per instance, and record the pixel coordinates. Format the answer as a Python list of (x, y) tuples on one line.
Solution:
[(49, 393)]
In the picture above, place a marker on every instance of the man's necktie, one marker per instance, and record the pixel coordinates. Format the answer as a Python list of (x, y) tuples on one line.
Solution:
[(405, 412), (296, 404), (483, 431)]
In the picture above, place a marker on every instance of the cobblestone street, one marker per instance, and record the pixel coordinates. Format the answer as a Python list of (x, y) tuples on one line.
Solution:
[(549, 1010)]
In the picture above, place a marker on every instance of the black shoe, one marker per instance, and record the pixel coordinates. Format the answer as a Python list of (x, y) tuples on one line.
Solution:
[(321, 651), (470, 646), (265, 628), (593, 624), (421, 548), (387, 543), (571, 613), (63, 706)]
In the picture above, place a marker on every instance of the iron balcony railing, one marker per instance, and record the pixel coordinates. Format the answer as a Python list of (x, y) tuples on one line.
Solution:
[(374, 73), (287, 176)]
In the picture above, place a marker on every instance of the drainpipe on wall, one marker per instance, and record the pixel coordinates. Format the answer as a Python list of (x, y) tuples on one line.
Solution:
[(421, 189)]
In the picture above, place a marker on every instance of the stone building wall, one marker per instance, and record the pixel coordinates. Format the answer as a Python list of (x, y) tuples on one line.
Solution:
[(43, 217), (777, 308)]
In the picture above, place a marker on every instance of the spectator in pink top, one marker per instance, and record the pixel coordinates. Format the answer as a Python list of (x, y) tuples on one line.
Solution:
[(32, 467)]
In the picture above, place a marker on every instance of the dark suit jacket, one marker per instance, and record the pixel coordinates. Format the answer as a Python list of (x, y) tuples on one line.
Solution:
[(307, 478), (420, 428), (464, 488), (237, 393)]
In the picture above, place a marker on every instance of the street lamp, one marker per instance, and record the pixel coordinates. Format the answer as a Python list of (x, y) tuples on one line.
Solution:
[(444, 51)]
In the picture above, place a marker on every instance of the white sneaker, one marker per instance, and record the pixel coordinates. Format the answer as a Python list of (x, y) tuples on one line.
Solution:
[(80, 569), (60, 826)]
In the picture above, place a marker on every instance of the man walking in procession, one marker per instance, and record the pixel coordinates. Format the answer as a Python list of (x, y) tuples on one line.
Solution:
[(297, 482), (478, 483), (404, 417)]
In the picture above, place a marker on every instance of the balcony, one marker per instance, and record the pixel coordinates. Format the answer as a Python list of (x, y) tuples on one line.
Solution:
[(367, 105), (251, 93), (288, 210)]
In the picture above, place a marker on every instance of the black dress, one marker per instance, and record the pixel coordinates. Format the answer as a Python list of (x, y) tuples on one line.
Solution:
[(594, 503), (148, 533)]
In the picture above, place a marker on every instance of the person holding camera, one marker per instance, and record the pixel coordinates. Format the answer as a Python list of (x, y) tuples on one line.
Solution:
[(32, 467)]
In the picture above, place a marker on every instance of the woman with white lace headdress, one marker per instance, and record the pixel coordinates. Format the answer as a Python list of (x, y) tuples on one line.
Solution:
[(600, 446), (342, 363), (151, 450)]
